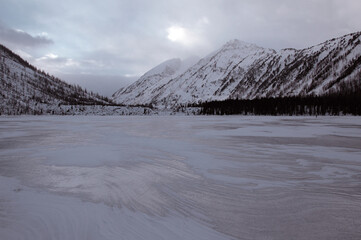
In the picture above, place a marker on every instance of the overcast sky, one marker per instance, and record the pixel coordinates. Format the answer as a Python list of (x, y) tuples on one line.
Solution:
[(106, 44)]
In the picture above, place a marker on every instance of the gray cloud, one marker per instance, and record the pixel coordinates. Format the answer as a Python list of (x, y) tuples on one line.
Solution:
[(128, 37), (104, 84), (21, 38)]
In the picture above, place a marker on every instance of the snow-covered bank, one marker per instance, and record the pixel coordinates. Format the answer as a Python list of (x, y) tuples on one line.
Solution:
[(100, 110), (77, 177)]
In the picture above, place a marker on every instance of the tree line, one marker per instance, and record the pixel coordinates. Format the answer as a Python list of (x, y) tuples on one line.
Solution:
[(330, 104)]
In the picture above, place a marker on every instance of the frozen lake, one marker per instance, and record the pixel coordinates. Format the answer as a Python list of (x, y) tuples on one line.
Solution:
[(174, 177)]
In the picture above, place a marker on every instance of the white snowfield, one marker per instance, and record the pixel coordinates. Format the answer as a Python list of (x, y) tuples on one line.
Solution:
[(173, 177)]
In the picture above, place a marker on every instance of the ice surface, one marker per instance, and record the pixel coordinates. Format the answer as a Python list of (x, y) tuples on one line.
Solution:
[(177, 177)]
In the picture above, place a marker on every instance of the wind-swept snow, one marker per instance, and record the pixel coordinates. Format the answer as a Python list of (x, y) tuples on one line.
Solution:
[(180, 177)]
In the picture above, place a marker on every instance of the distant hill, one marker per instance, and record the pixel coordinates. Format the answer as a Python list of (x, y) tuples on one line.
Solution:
[(240, 70), (26, 90)]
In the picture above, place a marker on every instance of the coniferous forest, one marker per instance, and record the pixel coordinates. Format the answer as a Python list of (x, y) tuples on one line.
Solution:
[(314, 105), (344, 101)]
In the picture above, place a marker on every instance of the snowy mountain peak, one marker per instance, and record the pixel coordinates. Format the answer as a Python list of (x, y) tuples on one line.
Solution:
[(246, 71), (238, 44), (154, 78), (166, 68)]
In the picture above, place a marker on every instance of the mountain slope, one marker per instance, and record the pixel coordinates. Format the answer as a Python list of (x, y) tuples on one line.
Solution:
[(246, 71), (27, 90), (151, 80)]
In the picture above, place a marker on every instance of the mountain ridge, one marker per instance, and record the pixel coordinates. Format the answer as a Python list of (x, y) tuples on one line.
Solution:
[(24, 89), (240, 70)]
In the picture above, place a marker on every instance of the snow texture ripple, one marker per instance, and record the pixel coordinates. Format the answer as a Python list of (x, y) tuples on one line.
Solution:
[(180, 178)]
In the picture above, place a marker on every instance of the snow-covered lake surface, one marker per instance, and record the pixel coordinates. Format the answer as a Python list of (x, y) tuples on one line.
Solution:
[(180, 178)]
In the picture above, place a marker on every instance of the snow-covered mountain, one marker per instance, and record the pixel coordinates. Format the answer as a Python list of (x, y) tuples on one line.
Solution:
[(27, 90), (153, 79), (246, 71)]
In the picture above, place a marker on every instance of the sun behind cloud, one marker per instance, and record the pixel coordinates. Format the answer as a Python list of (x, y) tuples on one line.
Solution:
[(190, 36), (178, 34)]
